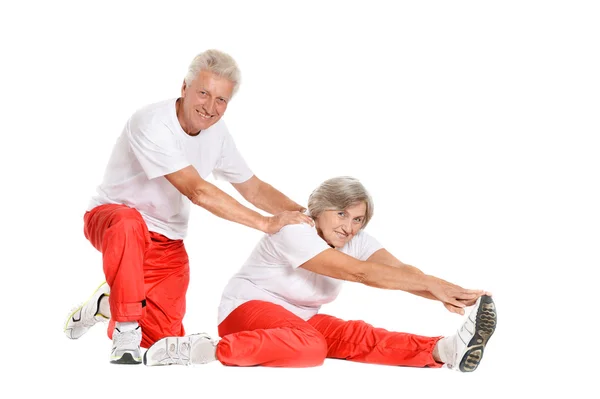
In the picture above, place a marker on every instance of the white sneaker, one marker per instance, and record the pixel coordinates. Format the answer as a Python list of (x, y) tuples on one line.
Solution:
[(188, 350), (126, 346), (81, 319), (470, 341)]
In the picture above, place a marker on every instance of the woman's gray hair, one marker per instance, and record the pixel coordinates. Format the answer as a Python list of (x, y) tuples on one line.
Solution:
[(337, 194), (216, 62)]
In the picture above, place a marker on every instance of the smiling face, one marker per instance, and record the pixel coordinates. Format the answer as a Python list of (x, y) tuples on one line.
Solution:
[(338, 227), (203, 102)]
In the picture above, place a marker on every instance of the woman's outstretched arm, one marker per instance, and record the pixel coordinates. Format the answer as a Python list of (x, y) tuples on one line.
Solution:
[(385, 257), (338, 265)]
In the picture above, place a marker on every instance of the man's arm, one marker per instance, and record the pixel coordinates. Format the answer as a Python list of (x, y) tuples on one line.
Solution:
[(202, 193), (265, 197)]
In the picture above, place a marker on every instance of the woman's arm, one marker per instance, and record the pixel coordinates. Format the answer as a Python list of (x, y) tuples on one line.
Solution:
[(338, 265), (385, 257)]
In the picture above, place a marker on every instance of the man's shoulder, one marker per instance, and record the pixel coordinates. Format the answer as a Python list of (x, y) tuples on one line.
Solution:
[(151, 112), (158, 106)]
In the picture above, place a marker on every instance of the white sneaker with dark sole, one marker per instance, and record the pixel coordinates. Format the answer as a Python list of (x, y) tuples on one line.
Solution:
[(126, 346), (473, 336), (82, 318), (185, 351)]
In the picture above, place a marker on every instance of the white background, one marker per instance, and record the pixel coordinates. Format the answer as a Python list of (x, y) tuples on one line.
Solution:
[(474, 125)]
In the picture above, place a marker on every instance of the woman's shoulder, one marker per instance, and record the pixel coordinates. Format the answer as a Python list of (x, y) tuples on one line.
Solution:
[(300, 229)]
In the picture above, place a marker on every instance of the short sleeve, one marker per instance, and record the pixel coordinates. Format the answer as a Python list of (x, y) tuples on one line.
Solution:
[(298, 243), (362, 246), (231, 166), (156, 148)]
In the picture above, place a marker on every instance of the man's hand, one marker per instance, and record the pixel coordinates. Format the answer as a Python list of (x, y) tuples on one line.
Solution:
[(275, 223), (453, 295)]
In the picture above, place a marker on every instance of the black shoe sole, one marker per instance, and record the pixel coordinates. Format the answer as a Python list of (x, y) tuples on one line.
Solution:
[(127, 358), (485, 325)]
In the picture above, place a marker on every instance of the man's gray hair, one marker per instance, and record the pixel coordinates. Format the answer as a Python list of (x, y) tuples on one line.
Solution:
[(217, 62), (337, 194)]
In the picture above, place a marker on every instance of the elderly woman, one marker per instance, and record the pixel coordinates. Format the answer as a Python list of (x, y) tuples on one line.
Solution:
[(268, 314)]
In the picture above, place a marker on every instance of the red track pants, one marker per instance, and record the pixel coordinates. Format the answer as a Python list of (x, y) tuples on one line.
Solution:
[(148, 273), (260, 333)]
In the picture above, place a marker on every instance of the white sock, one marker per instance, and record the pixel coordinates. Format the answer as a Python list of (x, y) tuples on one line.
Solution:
[(445, 348), (104, 308), (126, 325)]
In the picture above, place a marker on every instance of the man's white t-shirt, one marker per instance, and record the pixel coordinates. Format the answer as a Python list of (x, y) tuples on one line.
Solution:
[(152, 145), (272, 272)]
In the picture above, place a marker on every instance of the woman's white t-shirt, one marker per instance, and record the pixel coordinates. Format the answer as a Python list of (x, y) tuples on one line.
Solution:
[(272, 272)]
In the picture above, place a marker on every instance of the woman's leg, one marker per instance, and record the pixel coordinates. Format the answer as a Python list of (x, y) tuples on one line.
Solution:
[(259, 333), (360, 342)]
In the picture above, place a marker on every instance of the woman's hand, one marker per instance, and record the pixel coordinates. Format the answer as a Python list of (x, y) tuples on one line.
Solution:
[(454, 309), (454, 297), (467, 302)]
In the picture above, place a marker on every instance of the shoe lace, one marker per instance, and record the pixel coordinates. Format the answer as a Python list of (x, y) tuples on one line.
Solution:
[(180, 354), (126, 338), (174, 355), (177, 353)]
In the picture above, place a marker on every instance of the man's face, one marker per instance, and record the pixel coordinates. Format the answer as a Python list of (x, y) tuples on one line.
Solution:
[(203, 102)]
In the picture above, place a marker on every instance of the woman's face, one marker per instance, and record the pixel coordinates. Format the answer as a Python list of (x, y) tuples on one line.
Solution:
[(338, 227)]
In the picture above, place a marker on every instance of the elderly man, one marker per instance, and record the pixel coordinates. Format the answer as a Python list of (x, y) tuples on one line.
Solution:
[(139, 217)]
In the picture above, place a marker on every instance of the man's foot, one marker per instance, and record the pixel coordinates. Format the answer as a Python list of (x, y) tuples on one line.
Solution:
[(81, 319), (470, 341), (188, 350), (126, 346)]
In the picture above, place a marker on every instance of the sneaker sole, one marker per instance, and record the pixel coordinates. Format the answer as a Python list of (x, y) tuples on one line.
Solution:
[(145, 357), (127, 358), (203, 351), (65, 328), (485, 325), (195, 352)]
